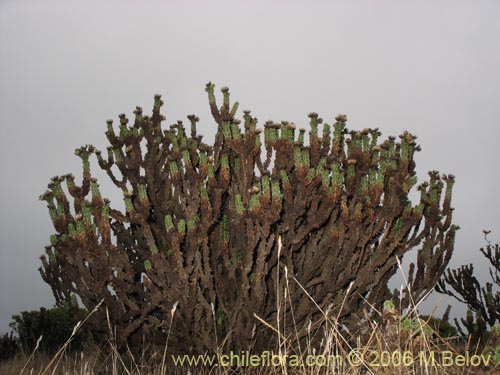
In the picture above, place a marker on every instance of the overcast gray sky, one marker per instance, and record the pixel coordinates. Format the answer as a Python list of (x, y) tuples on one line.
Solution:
[(430, 67)]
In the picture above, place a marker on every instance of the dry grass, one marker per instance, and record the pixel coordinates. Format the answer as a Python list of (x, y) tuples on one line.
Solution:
[(388, 349), (394, 342)]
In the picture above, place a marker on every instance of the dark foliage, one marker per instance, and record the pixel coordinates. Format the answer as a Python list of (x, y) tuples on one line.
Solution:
[(9, 346), (483, 301), (202, 223), (54, 325), (441, 325)]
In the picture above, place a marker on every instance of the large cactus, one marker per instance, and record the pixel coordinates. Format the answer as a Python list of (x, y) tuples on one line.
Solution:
[(201, 227)]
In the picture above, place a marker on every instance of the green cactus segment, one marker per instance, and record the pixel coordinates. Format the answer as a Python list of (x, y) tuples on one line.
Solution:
[(449, 188), (157, 102), (339, 135), (408, 208), (313, 124), (174, 169), (234, 109), (363, 185), (351, 171), (211, 171), (311, 174), (225, 96), (60, 209), (57, 189), (254, 202), (143, 193), (266, 185), (375, 134), (210, 90), (109, 124), (148, 265), (193, 120), (183, 144), (270, 134), (181, 226), (96, 194), (300, 139), (105, 211), (186, 158), (326, 131), (86, 213), (325, 178), (138, 114), (419, 209), (124, 132), (287, 132), (50, 256), (192, 223), (118, 154), (284, 178), (365, 141), (276, 191), (235, 131), (70, 182), (409, 183), (297, 155), (397, 225), (169, 225), (79, 227), (110, 154), (434, 195), (405, 151), (154, 249), (127, 197), (85, 160), (258, 142), (181, 134), (202, 157), (306, 161), (407, 146), (203, 193), (237, 164), (240, 209), (337, 177), (226, 130), (225, 162), (175, 143), (53, 213)]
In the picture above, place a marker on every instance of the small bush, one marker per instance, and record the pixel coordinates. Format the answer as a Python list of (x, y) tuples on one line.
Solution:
[(55, 325), (483, 301), (441, 326), (9, 346)]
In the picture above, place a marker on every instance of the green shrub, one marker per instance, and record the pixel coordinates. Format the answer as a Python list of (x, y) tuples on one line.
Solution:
[(9, 346), (55, 325), (441, 326)]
